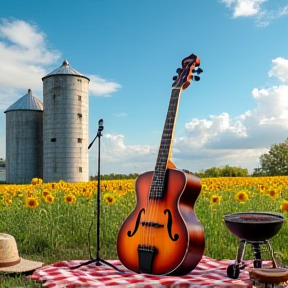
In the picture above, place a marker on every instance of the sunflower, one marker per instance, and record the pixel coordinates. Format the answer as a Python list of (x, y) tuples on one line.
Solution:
[(215, 199), (274, 193), (49, 198), (109, 198), (204, 188), (63, 184), (46, 192), (36, 181), (119, 192), (8, 201), (261, 188), (89, 194), (31, 203), (20, 194), (71, 199), (242, 196), (284, 206)]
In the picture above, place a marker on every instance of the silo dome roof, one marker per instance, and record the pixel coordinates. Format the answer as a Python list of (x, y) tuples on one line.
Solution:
[(65, 69), (26, 102)]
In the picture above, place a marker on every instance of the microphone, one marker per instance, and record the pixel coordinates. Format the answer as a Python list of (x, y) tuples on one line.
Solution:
[(100, 129), (100, 125)]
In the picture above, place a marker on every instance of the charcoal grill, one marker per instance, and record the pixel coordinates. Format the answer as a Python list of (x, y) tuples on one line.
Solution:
[(255, 228)]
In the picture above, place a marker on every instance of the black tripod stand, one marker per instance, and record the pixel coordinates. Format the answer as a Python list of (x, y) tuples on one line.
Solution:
[(98, 260)]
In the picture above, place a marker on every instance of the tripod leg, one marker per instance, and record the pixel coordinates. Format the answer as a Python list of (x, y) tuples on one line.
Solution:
[(83, 264), (109, 264)]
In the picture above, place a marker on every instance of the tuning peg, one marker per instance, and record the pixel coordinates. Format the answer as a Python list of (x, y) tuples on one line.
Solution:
[(179, 70), (196, 78), (175, 78), (198, 71)]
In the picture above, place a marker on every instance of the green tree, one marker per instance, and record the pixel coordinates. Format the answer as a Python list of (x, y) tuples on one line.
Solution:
[(212, 172), (275, 162), (258, 172), (229, 171), (226, 171)]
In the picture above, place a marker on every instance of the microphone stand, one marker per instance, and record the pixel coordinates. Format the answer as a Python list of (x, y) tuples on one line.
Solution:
[(98, 259)]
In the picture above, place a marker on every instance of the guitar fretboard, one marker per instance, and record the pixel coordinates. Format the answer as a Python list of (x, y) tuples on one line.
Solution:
[(156, 189)]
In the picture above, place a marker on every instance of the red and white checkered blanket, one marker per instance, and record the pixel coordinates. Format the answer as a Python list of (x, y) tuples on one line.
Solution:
[(208, 273)]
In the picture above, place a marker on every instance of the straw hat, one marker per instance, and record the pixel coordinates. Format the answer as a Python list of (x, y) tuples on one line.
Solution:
[(9, 257)]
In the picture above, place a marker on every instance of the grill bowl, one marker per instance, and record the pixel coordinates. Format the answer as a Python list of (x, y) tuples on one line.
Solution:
[(254, 226)]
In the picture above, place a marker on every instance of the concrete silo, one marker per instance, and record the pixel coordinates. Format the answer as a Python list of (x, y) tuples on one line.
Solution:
[(24, 145), (65, 125)]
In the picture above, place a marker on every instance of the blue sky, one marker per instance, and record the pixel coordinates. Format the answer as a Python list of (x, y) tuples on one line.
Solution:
[(131, 49)]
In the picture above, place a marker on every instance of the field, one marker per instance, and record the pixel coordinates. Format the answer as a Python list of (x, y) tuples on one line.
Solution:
[(57, 221)]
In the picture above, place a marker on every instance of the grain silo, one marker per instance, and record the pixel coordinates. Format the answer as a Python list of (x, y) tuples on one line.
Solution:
[(65, 125), (24, 158)]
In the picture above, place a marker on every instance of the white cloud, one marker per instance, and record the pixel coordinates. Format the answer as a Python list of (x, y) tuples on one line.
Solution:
[(23, 56), (99, 86), (256, 8), (117, 157), (241, 140), (22, 34), (26, 57), (280, 69), (121, 115), (244, 8)]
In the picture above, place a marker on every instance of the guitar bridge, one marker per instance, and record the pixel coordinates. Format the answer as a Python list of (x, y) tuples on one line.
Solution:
[(146, 255)]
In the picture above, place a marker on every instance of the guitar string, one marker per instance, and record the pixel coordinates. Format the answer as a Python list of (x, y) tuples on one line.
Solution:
[(160, 177), (158, 181), (155, 190)]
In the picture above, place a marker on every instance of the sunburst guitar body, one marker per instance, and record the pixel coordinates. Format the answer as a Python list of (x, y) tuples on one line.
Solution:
[(162, 235)]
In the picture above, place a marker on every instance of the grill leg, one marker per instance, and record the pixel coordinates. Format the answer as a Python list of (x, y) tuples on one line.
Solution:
[(240, 252), (257, 254), (275, 265), (233, 270)]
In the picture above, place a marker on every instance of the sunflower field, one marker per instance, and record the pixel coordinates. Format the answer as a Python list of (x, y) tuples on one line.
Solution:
[(57, 221)]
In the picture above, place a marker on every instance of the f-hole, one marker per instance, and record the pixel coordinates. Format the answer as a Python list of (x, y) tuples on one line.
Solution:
[(169, 226), (137, 223)]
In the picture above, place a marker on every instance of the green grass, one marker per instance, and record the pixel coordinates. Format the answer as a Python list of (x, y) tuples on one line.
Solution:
[(62, 231)]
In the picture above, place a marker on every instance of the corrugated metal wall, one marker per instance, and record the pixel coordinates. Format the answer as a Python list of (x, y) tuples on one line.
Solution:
[(65, 128), (23, 146)]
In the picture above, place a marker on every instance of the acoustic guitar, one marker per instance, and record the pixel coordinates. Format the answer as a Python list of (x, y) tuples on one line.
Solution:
[(162, 235)]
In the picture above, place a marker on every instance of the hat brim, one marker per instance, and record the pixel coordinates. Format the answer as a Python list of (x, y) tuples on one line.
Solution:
[(23, 266)]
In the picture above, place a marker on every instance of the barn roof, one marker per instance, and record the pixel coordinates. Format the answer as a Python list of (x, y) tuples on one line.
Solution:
[(65, 69), (27, 102)]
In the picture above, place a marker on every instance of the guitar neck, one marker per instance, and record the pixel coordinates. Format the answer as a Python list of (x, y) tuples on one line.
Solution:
[(165, 148)]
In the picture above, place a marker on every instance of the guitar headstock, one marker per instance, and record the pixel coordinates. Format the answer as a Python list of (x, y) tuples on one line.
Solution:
[(185, 74)]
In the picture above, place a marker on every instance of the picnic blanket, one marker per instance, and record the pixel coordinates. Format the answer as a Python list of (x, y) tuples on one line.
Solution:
[(208, 273)]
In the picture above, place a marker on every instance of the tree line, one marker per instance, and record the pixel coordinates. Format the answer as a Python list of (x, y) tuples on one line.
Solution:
[(226, 171), (114, 176), (272, 163)]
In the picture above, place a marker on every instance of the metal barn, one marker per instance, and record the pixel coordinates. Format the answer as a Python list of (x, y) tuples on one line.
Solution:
[(65, 125), (24, 121)]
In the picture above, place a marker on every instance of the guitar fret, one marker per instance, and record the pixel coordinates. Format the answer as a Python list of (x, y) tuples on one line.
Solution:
[(156, 189)]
